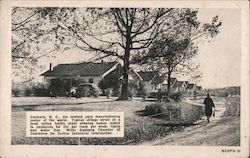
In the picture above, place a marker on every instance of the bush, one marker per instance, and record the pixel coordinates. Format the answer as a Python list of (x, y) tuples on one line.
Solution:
[(142, 92), (177, 97), (40, 90), (132, 89), (16, 92), (27, 92), (164, 111), (86, 91), (116, 92), (108, 92), (153, 109)]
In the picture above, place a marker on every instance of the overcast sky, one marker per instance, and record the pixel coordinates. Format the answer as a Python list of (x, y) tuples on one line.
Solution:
[(219, 59)]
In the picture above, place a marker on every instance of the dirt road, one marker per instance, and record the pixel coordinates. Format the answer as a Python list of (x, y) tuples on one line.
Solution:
[(223, 130)]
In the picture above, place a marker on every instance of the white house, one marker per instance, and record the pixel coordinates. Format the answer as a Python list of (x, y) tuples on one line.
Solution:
[(85, 72), (147, 77), (191, 87), (180, 86), (69, 75), (161, 82)]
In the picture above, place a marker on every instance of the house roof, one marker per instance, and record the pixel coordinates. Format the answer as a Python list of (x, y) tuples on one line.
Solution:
[(147, 75), (160, 79), (198, 87), (178, 83), (82, 69), (190, 86)]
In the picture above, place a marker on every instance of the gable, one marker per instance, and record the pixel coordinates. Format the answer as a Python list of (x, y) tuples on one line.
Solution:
[(147, 75), (158, 79), (179, 84), (191, 86)]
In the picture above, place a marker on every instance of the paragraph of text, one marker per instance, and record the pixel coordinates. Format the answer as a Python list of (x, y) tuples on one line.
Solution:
[(74, 124)]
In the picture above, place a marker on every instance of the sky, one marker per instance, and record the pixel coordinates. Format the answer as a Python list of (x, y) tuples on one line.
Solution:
[(219, 59)]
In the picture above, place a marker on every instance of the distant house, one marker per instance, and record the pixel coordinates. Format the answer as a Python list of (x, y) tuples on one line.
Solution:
[(180, 86), (191, 87), (147, 77), (161, 82), (186, 83), (198, 88), (133, 76)]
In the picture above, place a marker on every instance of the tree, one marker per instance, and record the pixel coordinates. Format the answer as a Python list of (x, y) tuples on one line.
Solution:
[(31, 40), (116, 33), (173, 52)]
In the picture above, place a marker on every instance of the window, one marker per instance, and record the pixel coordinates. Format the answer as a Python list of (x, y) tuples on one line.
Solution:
[(91, 80)]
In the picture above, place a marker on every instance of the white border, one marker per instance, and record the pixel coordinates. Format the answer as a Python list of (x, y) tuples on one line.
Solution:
[(8, 150)]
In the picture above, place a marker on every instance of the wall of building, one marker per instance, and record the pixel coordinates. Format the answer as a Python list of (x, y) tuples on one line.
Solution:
[(82, 79)]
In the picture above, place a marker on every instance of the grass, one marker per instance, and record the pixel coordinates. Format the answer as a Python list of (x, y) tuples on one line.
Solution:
[(138, 128)]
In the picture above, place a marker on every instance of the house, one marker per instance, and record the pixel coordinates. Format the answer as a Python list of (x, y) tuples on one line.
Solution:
[(86, 72), (198, 88), (65, 76), (191, 87), (132, 77), (147, 77), (186, 83), (161, 82), (180, 86)]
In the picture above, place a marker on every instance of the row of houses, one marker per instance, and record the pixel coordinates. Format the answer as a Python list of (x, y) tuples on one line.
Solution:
[(154, 82), (89, 72)]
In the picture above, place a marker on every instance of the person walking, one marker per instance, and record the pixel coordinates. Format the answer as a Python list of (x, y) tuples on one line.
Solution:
[(209, 105)]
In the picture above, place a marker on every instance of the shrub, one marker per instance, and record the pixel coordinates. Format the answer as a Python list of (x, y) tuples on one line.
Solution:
[(87, 91), (142, 92), (16, 92), (153, 109), (27, 92), (176, 96), (108, 92), (116, 92), (132, 89), (40, 89), (164, 111)]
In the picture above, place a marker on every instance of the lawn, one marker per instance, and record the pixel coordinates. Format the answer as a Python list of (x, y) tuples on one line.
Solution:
[(138, 128)]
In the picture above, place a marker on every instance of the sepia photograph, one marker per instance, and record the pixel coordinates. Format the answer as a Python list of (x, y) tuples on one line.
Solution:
[(126, 76)]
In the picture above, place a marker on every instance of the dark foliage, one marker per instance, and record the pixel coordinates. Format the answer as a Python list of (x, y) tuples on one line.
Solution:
[(176, 96)]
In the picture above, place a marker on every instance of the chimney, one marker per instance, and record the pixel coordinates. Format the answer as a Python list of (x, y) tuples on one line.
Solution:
[(50, 67)]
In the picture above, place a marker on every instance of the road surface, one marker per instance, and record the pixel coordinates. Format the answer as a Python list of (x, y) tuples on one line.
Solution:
[(223, 130)]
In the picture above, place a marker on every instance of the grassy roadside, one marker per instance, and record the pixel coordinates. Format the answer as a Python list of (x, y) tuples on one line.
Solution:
[(138, 128), (221, 131)]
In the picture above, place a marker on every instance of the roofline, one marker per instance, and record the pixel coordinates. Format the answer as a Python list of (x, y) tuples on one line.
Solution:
[(137, 74), (109, 70), (80, 75)]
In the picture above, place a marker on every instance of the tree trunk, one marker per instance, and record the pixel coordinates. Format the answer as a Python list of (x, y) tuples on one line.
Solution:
[(126, 62), (169, 83), (124, 93)]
